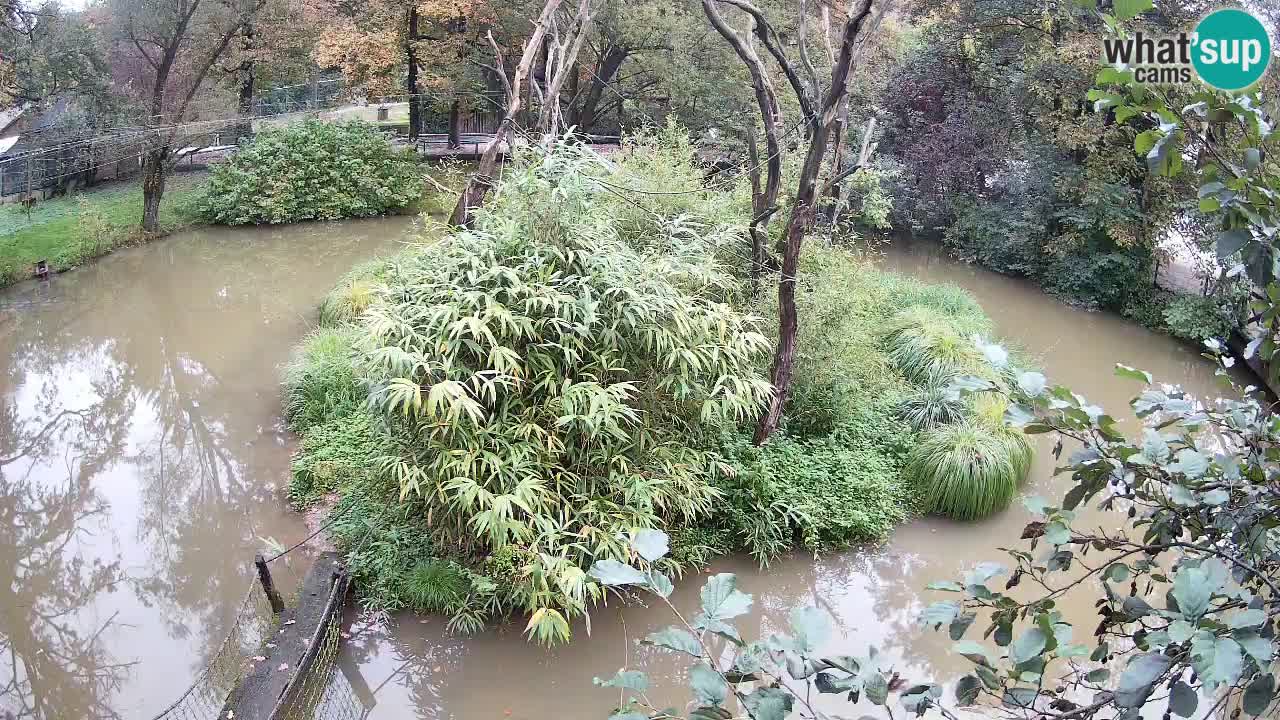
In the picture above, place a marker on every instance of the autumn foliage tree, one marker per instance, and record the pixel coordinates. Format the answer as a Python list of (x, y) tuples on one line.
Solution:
[(430, 48)]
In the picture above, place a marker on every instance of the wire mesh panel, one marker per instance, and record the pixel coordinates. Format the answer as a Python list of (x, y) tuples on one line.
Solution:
[(326, 693), (249, 631)]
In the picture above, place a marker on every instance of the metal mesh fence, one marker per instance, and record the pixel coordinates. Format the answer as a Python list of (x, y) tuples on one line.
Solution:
[(326, 693), (204, 700)]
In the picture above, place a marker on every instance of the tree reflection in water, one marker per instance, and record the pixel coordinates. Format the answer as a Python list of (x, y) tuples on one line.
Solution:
[(141, 452), (50, 666)]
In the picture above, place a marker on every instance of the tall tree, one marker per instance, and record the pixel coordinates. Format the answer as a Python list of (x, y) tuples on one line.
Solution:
[(428, 49), (48, 52), (821, 122), (166, 49)]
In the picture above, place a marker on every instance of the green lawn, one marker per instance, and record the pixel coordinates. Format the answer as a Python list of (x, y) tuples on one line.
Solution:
[(70, 230)]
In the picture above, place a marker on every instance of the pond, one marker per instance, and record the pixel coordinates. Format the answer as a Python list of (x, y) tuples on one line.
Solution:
[(142, 456), (143, 460)]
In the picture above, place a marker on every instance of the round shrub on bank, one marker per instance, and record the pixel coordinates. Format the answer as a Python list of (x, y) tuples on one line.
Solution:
[(969, 469), (312, 170)]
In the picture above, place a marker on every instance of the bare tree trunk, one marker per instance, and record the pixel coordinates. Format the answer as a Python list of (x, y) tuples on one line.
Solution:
[(481, 181), (154, 172), (802, 216), (763, 204), (832, 209), (455, 118), (411, 81), (562, 56), (245, 81), (769, 38), (610, 63)]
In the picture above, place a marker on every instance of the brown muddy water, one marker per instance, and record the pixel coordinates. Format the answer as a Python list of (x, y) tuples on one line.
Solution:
[(143, 459)]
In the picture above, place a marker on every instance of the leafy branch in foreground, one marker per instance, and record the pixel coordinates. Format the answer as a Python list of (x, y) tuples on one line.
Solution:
[(731, 677), (1188, 593)]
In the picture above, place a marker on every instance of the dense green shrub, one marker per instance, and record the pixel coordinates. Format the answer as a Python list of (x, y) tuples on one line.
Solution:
[(1196, 318), (542, 387), (818, 493), (312, 170), (1098, 279), (1008, 236), (1015, 236), (338, 453), (1146, 306)]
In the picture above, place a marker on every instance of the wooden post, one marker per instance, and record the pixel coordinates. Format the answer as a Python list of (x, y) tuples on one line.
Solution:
[(268, 585)]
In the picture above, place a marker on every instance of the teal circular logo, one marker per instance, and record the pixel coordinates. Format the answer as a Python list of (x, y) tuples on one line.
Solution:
[(1231, 49)]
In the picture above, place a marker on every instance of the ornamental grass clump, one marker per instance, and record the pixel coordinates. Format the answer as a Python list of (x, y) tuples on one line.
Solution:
[(923, 342), (968, 470)]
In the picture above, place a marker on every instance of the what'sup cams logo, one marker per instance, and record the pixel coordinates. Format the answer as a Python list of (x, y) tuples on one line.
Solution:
[(1228, 50)]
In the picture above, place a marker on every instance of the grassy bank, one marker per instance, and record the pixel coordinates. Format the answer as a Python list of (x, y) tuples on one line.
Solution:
[(489, 414), (71, 230)]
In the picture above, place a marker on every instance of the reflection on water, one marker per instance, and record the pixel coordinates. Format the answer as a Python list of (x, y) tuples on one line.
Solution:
[(142, 457), (875, 594)]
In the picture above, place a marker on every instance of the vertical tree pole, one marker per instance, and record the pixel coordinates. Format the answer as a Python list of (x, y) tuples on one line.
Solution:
[(455, 120), (802, 217), (411, 79), (245, 76), (268, 585)]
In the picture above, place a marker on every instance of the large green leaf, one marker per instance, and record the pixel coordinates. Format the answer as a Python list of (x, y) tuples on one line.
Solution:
[(721, 599), (1232, 241), (875, 686), (768, 703), (976, 652), (1259, 648), (1139, 677), (968, 688), (676, 639), (612, 572), (630, 679), (1218, 660), (651, 544), (707, 685), (1183, 700), (722, 628), (1029, 645), (1259, 695), (811, 627), (940, 613), (1191, 590)]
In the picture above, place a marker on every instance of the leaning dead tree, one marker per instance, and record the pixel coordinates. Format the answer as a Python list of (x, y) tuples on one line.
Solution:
[(822, 122), (481, 181), (567, 45), (563, 45)]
